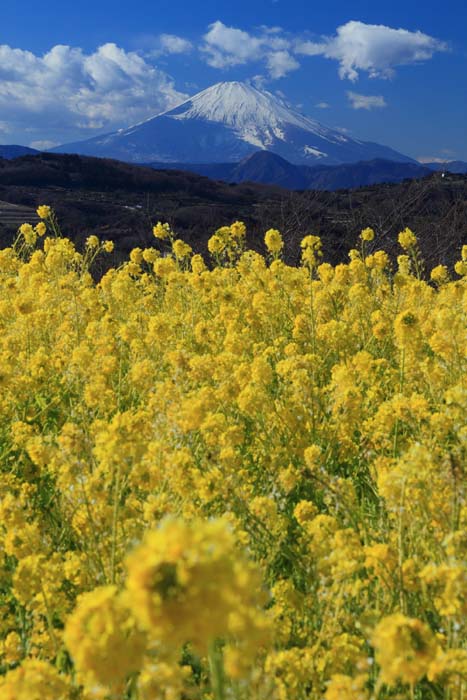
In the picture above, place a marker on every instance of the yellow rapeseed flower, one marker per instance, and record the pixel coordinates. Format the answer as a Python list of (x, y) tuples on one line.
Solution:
[(161, 231), (273, 241), (407, 239), (44, 211), (367, 234), (181, 573), (405, 648), (103, 639), (92, 241), (34, 680)]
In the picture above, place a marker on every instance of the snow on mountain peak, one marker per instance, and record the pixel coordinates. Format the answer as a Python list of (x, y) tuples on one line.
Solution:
[(257, 115), (224, 124)]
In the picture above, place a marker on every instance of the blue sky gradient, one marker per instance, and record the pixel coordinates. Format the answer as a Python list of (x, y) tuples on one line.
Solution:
[(419, 108)]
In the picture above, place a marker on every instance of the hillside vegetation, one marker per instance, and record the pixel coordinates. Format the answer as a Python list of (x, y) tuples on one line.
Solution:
[(122, 201), (245, 482)]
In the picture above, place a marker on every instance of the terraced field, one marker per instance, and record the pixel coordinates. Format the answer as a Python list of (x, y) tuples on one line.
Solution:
[(13, 215)]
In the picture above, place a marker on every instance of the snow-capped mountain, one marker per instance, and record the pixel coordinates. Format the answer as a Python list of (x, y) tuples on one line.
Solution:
[(226, 123)]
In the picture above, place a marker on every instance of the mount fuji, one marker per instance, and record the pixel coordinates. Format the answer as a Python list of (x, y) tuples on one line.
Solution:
[(226, 123)]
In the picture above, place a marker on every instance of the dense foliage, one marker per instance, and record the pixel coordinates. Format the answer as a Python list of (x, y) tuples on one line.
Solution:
[(239, 481)]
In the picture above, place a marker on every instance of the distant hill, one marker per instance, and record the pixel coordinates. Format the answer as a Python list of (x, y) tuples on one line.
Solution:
[(261, 167), (452, 166), (121, 201), (10, 152), (76, 172), (270, 169), (362, 174)]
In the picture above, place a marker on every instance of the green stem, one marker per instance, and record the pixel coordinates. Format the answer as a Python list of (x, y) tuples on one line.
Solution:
[(49, 618), (401, 385), (401, 551), (216, 671), (115, 523)]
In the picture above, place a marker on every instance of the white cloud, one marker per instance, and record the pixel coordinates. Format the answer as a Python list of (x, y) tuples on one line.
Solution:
[(228, 46), (280, 63), (309, 48), (174, 44), (432, 159), (43, 145), (67, 93), (270, 30), (366, 101), (4, 128), (323, 105), (259, 81), (372, 48), (225, 47)]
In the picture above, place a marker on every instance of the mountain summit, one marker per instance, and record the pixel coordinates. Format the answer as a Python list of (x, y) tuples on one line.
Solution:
[(226, 123)]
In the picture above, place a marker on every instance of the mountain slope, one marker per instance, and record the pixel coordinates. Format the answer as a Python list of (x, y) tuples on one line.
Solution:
[(226, 123), (270, 169), (14, 151), (452, 166), (362, 174)]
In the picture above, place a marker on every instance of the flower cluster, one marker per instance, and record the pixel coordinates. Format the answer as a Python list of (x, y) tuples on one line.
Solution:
[(231, 478)]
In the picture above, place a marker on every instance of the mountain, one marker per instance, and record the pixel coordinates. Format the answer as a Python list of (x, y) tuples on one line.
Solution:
[(452, 166), (270, 169), (226, 123), (362, 174), (10, 152), (262, 167)]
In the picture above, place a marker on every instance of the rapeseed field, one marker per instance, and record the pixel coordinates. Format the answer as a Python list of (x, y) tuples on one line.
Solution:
[(232, 478)]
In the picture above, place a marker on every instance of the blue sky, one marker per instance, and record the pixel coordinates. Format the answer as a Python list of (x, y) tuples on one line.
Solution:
[(395, 73)]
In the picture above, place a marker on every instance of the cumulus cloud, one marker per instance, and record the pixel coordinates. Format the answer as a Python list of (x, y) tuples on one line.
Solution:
[(224, 47), (170, 43), (67, 93), (372, 48), (228, 46), (280, 63), (308, 48), (366, 101)]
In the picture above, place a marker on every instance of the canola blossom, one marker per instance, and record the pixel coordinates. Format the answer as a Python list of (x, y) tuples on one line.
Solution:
[(231, 478)]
